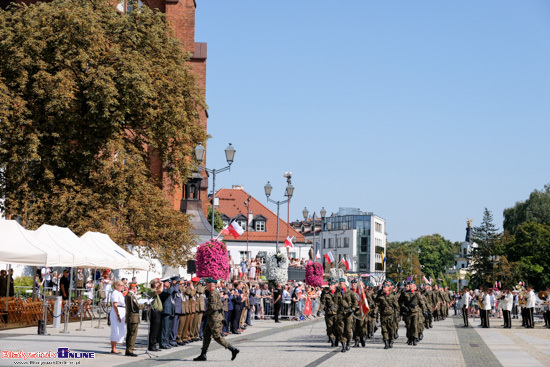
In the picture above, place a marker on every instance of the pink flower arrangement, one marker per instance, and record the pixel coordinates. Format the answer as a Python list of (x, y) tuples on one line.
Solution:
[(314, 274), (212, 260)]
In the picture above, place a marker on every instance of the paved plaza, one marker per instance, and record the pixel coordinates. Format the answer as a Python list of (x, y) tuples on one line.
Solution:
[(302, 344)]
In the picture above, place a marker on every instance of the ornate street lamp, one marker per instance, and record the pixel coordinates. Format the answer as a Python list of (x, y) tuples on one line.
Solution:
[(288, 193)]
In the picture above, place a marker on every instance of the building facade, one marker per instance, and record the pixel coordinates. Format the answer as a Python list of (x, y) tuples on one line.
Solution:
[(259, 225), (358, 236)]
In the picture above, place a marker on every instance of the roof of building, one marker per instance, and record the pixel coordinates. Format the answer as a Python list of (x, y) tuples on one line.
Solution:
[(231, 202)]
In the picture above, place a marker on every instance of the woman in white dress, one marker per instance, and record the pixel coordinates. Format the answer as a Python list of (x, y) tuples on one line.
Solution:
[(252, 270), (117, 316)]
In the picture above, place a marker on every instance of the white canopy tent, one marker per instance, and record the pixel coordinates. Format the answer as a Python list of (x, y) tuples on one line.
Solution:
[(67, 241), (104, 244), (19, 246)]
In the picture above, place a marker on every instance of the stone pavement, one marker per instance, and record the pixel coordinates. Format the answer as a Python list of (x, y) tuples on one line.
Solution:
[(302, 344)]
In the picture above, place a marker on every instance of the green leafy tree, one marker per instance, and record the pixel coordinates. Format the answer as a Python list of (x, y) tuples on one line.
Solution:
[(91, 100), (436, 254), (535, 209), (486, 256), (218, 222)]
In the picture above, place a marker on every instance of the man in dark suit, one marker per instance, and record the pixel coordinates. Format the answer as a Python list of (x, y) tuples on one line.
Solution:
[(178, 310), (167, 314), (132, 318)]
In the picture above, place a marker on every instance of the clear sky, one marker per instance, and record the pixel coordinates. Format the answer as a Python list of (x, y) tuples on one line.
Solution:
[(423, 112)]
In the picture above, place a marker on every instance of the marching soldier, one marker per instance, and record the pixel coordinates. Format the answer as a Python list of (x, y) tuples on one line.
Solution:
[(331, 309), (427, 293), (386, 304), (347, 304), (132, 319), (409, 306), (215, 317), (371, 324), (359, 320)]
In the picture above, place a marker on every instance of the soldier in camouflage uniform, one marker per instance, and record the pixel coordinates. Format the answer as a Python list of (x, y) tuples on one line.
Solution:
[(396, 292), (215, 315), (347, 304), (423, 315), (328, 302), (410, 308), (359, 320), (371, 324), (437, 301), (386, 304), (427, 293)]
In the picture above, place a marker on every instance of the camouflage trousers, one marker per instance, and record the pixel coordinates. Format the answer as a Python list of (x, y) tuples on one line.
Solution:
[(388, 327), (330, 321), (428, 320), (359, 327), (213, 330), (420, 325), (344, 326), (411, 322)]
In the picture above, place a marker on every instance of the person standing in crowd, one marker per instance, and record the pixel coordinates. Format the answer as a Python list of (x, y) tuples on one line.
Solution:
[(506, 303), (3, 283), (486, 310), (237, 308), (515, 306), (178, 311), (64, 285), (243, 270), (200, 309), (531, 299), (132, 319), (266, 299), (277, 301), (465, 304), (286, 300), (167, 314), (117, 316), (255, 300), (155, 314), (37, 284), (79, 283), (214, 314)]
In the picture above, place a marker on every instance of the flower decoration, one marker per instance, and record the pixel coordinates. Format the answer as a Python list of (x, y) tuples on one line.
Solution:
[(212, 260), (277, 268), (314, 274)]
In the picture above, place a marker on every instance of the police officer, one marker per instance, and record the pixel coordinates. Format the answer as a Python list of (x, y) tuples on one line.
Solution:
[(215, 317), (132, 318)]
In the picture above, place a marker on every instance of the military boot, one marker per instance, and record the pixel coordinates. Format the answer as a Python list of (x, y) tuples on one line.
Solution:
[(414, 341), (420, 336), (386, 344), (347, 345), (396, 335), (391, 343), (409, 341), (362, 341), (234, 352), (343, 348), (335, 342), (330, 340), (202, 357), (356, 345)]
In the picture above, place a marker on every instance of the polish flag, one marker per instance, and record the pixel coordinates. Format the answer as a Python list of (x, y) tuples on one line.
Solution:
[(329, 257), (288, 242), (346, 262), (234, 229), (318, 255), (425, 280), (361, 299)]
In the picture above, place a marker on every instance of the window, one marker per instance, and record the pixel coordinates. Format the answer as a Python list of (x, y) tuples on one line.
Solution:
[(346, 241), (126, 6), (330, 243), (243, 254), (242, 223), (259, 226), (378, 227), (364, 244), (324, 243)]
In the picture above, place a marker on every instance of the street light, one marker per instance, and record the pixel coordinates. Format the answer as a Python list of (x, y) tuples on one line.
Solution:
[(305, 212), (229, 156), (288, 193)]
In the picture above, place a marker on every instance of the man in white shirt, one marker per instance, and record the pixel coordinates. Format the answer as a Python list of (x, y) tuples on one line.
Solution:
[(486, 308), (465, 304), (506, 303), (531, 301)]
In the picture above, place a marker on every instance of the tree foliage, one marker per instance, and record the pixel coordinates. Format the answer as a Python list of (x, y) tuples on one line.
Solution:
[(486, 255), (535, 209), (89, 99)]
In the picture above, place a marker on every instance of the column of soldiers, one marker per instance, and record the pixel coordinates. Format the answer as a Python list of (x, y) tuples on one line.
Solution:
[(418, 308)]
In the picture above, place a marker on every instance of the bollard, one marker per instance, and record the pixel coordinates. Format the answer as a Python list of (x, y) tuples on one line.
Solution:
[(81, 315)]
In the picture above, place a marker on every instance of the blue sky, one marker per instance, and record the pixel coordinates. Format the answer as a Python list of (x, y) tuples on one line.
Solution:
[(423, 112)]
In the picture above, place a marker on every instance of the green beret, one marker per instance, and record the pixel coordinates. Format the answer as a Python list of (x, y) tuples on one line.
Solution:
[(332, 282), (210, 280), (354, 280), (342, 280)]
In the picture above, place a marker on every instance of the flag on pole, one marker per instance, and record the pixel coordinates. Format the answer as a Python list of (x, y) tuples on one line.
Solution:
[(383, 258), (425, 280), (234, 229), (361, 299), (318, 255), (288, 242), (346, 262), (329, 257)]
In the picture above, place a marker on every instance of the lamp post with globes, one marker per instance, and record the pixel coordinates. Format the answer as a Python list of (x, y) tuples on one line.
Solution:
[(199, 156), (288, 193), (305, 212)]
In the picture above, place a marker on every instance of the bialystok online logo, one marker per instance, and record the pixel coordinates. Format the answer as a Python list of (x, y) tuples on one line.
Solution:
[(62, 353)]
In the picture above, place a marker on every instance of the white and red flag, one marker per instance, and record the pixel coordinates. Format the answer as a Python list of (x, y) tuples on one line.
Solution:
[(361, 299), (288, 242), (234, 229), (346, 262), (318, 255), (329, 258)]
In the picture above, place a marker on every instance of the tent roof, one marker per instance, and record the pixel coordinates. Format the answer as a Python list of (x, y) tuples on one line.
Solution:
[(20, 246), (124, 260), (69, 243)]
